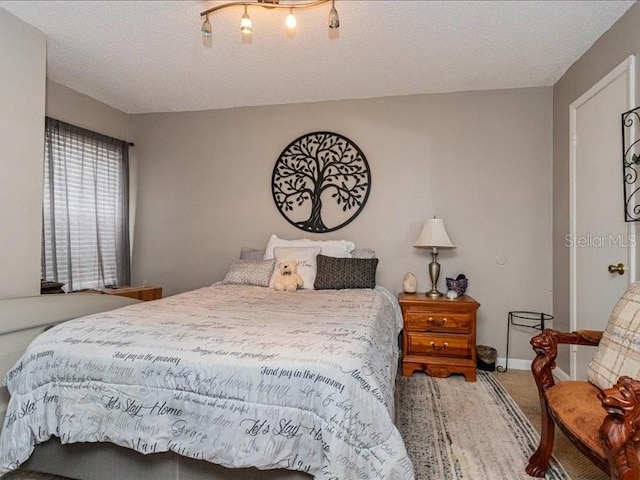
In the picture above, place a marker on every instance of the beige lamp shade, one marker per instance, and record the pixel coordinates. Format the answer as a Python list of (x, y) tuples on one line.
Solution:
[(434, 235)]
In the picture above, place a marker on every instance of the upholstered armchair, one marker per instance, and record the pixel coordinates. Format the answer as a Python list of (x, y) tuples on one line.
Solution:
[(600, 416)]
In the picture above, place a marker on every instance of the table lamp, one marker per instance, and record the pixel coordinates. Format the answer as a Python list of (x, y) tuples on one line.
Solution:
[(434, 236)]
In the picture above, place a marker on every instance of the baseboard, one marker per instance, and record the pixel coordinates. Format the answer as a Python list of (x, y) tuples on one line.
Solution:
[(560, 374), (515, 363), (520, 364)]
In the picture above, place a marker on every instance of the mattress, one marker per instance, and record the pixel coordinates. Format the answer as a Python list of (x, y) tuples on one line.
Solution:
[(240, 376)]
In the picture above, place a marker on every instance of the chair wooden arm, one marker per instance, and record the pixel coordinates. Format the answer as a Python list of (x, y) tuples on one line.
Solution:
[(546, 346), (620, 431)]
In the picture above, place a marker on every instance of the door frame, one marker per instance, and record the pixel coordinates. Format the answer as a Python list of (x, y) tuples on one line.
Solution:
[(627, 68)]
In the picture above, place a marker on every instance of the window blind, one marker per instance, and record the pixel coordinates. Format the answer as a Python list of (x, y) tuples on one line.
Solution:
[(85, 208)]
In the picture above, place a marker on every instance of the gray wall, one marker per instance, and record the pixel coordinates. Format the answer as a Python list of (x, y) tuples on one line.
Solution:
[(24, 103), (78, 109), (479, 160), (622, 40), (68, 105), (22, 83)]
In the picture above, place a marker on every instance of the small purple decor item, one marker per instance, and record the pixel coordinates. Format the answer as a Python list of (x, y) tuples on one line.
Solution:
[(459, 285)]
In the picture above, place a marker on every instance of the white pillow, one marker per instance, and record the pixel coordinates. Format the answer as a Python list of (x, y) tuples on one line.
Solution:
[(330, 248), (306, 258)]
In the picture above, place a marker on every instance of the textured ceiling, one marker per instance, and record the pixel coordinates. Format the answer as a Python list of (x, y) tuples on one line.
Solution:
[(149, 56)]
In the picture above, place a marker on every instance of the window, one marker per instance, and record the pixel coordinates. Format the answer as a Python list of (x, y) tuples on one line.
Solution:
[(85, 240)]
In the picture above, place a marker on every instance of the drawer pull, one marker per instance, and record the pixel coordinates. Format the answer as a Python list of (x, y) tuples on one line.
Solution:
[(436, 347), (437, 323)]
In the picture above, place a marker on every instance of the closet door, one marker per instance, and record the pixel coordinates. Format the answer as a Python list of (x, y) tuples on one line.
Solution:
[(599, 236)]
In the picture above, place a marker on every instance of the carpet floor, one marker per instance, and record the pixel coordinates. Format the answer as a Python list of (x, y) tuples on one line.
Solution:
[(467, 431), (521, 388)]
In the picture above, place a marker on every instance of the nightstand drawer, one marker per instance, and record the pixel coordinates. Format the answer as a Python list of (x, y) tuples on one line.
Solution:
[(437, 322), (439, 345)]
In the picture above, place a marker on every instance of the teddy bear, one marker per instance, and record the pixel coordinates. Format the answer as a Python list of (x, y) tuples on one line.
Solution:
[(288, 278)]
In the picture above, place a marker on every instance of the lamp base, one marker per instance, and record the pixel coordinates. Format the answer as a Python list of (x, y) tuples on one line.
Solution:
[(433, 294), (434, 273)]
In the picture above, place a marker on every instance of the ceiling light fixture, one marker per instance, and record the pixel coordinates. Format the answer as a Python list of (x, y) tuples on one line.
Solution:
[(206, 27), (334, 20), (246, 26), (291, 20)]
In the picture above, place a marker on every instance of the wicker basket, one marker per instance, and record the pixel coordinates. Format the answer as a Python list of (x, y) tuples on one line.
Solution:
[(486, 358)]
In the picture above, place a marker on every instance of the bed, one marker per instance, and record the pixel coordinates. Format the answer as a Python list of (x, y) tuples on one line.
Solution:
[(236, 375)]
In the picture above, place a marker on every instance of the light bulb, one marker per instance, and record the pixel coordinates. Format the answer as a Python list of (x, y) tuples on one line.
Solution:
[(245, 24), (206, 27), (334, 20), (291, 21)]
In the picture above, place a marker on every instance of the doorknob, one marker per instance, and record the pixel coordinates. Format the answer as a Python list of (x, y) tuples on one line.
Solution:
[(617, 268)]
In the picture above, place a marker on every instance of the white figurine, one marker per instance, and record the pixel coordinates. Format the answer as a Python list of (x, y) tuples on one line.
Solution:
[(410, 284)]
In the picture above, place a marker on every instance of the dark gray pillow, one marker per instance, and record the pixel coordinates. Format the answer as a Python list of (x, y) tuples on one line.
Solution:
[(338, 273)]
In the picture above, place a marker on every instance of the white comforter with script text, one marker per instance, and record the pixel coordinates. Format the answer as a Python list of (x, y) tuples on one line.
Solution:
[(236, 375)]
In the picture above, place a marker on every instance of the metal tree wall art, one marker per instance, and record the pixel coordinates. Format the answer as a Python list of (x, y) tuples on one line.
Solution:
[(631, 163), (321, 182)]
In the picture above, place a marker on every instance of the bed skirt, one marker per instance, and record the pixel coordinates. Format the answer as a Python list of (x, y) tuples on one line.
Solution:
[(105, 461)]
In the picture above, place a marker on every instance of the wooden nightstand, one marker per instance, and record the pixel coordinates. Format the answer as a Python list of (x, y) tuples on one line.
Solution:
[(439, 335), (142, 292)]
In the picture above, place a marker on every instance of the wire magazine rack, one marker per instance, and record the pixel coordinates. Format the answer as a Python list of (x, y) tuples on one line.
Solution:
[(523, 318)]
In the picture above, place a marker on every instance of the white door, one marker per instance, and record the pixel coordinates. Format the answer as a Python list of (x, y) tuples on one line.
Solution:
[(599, 236)]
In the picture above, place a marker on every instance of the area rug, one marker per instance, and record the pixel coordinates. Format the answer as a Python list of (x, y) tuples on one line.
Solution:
[(467, 431)]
